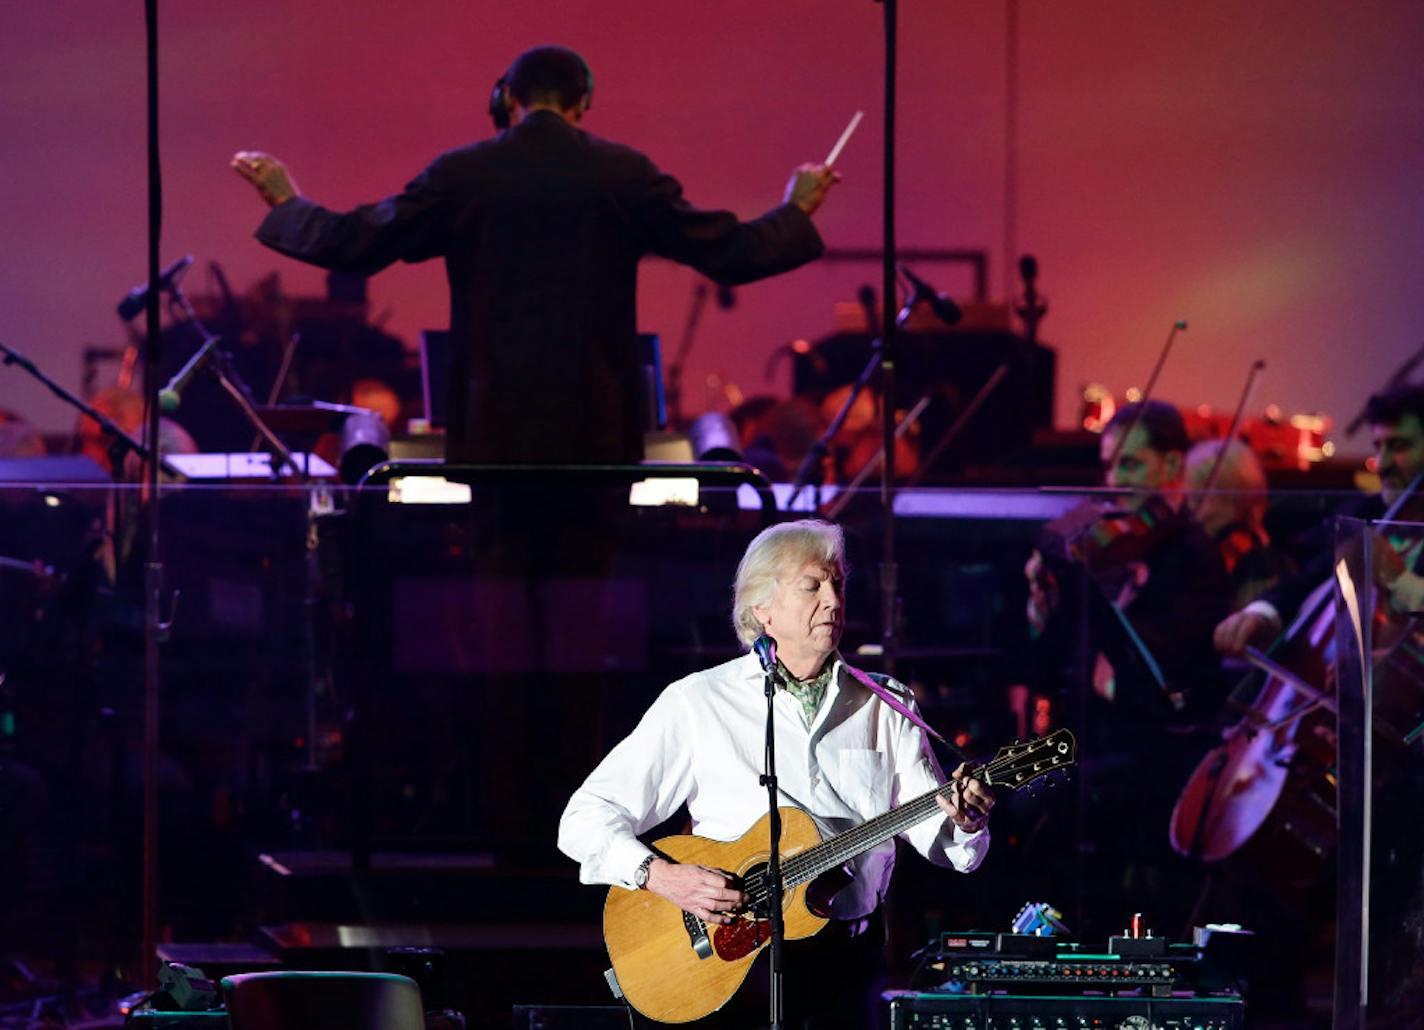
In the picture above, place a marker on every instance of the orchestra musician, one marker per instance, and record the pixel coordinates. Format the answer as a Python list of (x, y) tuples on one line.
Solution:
[(541, 229), (1157, 588), (843, 754), (1396, 422), (1231, 511), (1167, 579)]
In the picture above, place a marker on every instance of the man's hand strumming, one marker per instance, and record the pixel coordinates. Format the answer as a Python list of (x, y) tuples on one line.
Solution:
[(706, 893)]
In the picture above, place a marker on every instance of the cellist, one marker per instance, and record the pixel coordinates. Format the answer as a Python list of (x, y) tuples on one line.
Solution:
[(1396, 421)]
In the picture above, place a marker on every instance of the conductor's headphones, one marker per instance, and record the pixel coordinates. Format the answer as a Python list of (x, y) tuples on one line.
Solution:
[(499, 112)]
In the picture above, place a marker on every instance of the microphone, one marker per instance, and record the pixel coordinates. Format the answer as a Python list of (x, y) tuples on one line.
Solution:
[(765, 649), (947, 310), (172, 395), (1028, 269), (137, 298)]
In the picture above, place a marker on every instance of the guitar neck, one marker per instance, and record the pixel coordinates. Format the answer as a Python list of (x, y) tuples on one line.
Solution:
[(1012, 767), (832, 853)]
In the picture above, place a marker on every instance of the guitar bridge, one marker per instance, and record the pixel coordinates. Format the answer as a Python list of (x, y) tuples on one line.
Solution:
[(697, 934)]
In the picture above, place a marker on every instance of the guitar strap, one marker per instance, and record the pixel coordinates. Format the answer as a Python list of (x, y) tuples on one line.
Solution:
[(887, 695)]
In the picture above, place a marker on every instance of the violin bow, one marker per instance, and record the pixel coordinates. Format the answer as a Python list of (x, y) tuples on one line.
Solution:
[(1256, 368), (1178, 325)]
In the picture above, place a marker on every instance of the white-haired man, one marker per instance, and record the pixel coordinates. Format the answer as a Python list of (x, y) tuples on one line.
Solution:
[(844, 755)]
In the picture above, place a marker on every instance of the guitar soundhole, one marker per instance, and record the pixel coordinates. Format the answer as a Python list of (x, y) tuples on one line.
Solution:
[(740, 939)]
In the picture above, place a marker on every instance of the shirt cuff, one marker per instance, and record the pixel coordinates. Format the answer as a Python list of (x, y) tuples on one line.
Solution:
[(962, 835), (625, 856), (1406, 593), (1266, 610)]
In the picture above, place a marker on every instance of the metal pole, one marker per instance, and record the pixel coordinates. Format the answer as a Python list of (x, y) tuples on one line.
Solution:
[(153, 568), (889, 573)]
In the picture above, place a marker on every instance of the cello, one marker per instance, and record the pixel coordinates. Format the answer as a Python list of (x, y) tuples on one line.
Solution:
[(1269, 789)]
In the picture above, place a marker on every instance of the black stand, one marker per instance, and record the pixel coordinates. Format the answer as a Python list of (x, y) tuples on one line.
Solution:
[(889, 570), (773, 861), (819, 449), (218, 364), (121, 443), (155, 627), (812, 462)]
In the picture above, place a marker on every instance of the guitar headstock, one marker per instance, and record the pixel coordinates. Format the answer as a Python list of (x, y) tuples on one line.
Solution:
[(1019, 764)]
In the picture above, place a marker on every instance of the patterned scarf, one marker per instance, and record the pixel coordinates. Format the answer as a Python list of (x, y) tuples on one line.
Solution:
[(810, 692)]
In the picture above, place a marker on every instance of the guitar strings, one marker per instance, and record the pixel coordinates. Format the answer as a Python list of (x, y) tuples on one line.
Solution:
[(826, 855)]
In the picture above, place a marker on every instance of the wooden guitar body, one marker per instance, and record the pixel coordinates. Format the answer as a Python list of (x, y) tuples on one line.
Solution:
[(651, 941), (674, 968)]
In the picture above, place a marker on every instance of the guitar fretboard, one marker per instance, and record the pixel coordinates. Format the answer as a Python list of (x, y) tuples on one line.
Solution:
[(1013, 767)]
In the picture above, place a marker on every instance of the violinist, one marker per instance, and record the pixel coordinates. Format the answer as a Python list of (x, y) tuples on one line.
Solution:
[(1232, 514), (1157, 568), (1157, 588)]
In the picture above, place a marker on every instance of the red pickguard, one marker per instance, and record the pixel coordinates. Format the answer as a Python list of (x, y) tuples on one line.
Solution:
[(739, 939)]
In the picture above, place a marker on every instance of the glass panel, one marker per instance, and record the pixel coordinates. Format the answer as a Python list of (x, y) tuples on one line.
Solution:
[(417, 674), (1381, 694)]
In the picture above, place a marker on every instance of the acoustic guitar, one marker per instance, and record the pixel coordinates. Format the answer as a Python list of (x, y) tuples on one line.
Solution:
[(674, 967)]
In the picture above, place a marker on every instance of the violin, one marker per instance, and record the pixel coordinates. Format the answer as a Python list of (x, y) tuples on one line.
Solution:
[(1117, 537)]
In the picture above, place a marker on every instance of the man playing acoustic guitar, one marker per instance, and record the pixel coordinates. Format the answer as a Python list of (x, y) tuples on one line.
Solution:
[(845, 755)]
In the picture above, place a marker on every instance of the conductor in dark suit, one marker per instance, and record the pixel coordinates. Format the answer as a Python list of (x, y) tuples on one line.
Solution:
[(541, 229)]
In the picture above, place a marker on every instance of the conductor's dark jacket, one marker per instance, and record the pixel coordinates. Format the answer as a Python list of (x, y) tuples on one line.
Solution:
[(541, 229)]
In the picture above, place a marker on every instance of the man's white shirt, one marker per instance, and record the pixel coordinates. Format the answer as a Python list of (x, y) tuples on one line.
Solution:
[(702, 742)]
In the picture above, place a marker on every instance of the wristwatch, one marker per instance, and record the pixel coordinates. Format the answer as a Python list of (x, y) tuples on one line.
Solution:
[(640, 875)]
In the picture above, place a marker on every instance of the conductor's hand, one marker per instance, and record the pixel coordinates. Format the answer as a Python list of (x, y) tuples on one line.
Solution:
[(1242, 629), (809, 185), (270, 176), (968, 802), (706, 893)]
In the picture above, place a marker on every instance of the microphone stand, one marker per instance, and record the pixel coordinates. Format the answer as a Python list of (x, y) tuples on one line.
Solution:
[(809, 464), (773, 861), (679, 362), (122, 443), (889, 571), (219, 365)]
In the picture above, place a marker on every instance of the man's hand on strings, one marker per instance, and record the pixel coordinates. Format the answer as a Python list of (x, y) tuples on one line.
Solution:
[(706, 893), (968, 802), (274, 183)]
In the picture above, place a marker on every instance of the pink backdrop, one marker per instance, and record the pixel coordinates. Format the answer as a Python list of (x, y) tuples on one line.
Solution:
[(1252, 167)]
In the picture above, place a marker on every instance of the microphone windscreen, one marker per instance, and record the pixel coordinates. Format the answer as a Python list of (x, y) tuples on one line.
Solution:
[(765, 649)]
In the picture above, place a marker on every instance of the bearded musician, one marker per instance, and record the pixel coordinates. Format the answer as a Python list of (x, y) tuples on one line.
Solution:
[(1396, 421)]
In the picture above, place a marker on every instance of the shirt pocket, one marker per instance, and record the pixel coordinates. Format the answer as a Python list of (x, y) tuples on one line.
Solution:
[(863, 780)]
